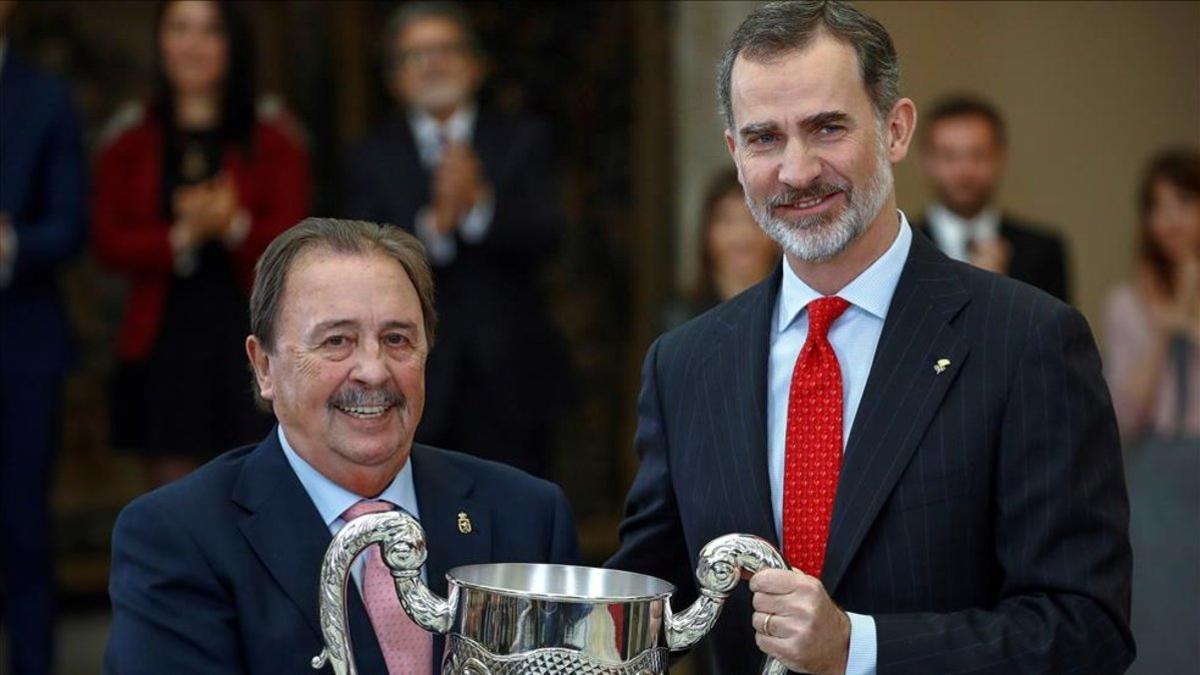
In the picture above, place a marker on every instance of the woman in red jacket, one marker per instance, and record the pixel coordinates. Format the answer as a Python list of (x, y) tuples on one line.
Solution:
[(186, 198)]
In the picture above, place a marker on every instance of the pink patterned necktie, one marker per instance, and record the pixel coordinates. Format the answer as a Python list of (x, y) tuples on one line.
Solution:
[(407, 648)]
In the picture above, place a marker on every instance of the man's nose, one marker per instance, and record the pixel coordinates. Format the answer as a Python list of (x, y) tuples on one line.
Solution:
[(370, 367), (800, 165)]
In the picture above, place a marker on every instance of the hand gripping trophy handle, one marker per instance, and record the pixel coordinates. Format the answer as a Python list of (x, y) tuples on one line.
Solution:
[(718, 571), (402, 544)]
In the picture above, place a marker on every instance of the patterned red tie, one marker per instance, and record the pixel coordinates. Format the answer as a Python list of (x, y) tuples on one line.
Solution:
[(813, 455)]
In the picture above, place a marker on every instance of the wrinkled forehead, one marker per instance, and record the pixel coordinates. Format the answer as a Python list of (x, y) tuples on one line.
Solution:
[(368, 287), (823, 76)]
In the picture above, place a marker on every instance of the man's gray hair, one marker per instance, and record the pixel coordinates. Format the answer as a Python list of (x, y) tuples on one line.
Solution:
[(777, 28), (410, 12)]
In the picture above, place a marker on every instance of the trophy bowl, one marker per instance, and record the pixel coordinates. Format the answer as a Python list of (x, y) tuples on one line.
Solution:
[(537, 619)]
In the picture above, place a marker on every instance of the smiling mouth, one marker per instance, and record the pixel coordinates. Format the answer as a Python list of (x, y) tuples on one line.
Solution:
[(810, 202), (365, 412)]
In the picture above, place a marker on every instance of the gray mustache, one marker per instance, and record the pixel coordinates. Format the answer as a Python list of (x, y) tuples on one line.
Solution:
[(356, 398), (818, 190)]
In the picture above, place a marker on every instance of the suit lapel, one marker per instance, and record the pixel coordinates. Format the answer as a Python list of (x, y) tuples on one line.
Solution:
[(903, 391), (738, 368), (287, 533), (443, 492)]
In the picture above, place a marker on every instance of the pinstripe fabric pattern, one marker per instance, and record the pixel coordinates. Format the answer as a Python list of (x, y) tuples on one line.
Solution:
[(981, 514)]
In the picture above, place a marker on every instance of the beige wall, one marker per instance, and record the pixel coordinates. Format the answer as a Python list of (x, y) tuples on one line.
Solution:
[(1089, 90)]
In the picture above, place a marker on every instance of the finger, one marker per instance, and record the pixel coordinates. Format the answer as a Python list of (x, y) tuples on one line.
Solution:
[(780, 648), (775, 581), (770, 603)]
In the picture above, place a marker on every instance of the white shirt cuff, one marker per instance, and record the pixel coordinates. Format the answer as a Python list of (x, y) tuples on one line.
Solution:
[(441, 247), (8, 254), (864, 649), (477, 223), (184, 256)]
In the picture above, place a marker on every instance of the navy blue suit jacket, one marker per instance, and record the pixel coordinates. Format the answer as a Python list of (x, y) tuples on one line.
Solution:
[(42, 191), (218, 572), (981, 514)]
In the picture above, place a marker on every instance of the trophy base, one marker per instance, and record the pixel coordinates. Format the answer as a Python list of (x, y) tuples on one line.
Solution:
[(464, 656)]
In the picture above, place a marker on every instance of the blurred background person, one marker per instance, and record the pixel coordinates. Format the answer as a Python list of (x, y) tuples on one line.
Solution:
[(188, 194), (1152, 330), (735, 253), (963, 157), (42, 226), (475, 186)]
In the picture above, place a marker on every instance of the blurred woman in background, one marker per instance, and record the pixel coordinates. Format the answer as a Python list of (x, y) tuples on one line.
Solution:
[(1153, 321), (735, 253), (188, 192), (1153, 369)]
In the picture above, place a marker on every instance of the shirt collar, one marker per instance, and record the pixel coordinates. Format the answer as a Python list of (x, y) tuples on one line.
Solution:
[(871, 291), (457, 128), (332, 500), (985, 223)]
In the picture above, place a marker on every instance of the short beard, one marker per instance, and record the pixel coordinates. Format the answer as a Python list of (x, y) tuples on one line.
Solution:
[(820, 238)]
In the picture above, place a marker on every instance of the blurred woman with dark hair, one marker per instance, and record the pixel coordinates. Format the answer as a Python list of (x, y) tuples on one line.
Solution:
[(1153, 369), (1153, 322), (734, 252), (189, 191)]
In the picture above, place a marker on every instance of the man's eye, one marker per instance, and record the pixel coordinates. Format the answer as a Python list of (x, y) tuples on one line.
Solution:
[(397, 339), (831, 129), (336, 341), (763, 139)]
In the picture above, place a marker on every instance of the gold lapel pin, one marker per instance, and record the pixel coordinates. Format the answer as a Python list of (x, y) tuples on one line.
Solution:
[(941, 365), (464, 523)]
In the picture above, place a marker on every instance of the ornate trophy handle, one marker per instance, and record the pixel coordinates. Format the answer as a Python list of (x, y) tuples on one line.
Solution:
[(721, 564), (403, 546)]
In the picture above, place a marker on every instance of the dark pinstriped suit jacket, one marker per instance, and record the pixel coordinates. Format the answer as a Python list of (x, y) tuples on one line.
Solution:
[(981, 514)]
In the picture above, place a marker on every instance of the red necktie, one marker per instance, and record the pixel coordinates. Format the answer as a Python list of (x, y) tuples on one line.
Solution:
[(813, 454)]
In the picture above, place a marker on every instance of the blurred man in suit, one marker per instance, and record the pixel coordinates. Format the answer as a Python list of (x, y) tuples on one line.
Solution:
[(218, 572), (963, 155), (475, 186), (42, 226), (933, 445)]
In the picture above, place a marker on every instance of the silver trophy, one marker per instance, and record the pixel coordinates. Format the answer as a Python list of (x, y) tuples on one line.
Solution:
[(537, 619)]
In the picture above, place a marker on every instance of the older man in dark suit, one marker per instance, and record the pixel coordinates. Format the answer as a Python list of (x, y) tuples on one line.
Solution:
[(475, 185), (219, 572), (932, 444), (42, 226)]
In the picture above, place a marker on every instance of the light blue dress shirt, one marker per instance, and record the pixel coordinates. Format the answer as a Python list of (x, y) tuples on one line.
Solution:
[(854, 337), (332, 500)]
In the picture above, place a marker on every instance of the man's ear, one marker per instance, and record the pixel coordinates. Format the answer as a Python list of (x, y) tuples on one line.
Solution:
[(902, 124), (731, 146), (260, 362)]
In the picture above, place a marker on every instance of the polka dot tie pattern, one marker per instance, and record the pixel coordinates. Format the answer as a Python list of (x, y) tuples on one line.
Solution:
[(813, 454), (407, 648)]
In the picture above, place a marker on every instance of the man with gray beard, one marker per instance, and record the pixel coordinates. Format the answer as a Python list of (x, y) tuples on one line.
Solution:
[(931, 445)]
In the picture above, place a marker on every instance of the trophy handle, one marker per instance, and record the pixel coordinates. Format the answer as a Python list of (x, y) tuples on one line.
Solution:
[(403, 547), (718, 571)]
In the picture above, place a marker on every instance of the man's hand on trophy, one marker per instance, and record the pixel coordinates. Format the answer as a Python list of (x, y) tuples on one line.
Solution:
[(797, 622)]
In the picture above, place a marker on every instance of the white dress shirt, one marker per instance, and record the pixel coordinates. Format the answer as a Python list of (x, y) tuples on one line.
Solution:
[(954, 234), (854, 337), (332, 500), (430, 136)]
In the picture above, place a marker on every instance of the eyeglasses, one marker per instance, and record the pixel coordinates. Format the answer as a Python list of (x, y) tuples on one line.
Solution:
[(419, 57)]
